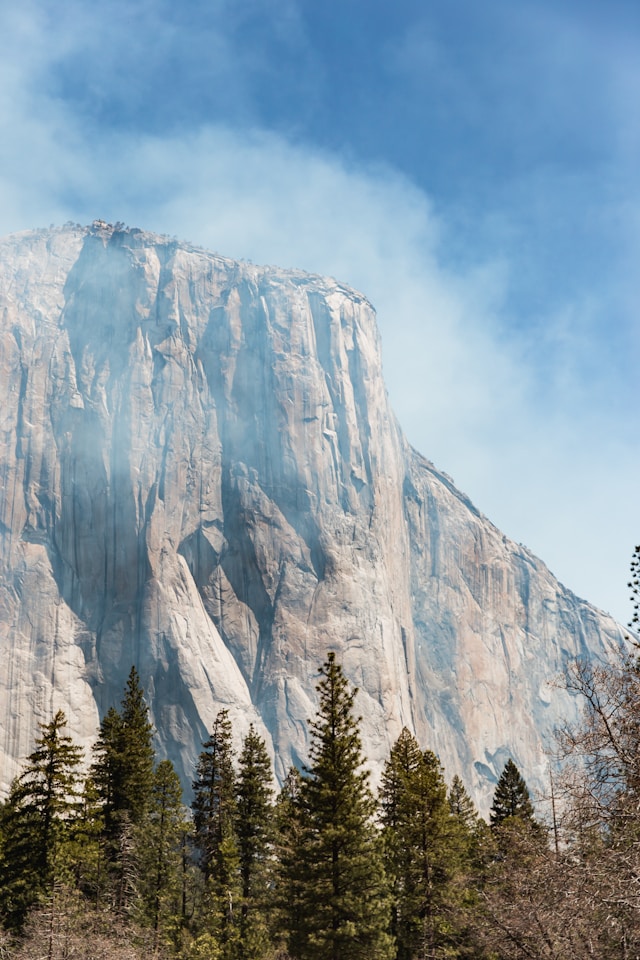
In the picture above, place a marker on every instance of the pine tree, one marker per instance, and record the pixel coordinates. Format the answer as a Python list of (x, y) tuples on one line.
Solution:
[(461, 805), (214, 819), (123, 768), (86, 846), (37, 822), (254, 833), (511, 798), (122, 773), (478, 840), (214, 803), (424, 845), (402, 766), (137, 753), (106, 772), (344, 899), (160, 859), (287, 869)]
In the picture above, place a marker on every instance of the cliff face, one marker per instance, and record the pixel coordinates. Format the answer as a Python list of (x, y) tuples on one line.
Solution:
[(200, 475)]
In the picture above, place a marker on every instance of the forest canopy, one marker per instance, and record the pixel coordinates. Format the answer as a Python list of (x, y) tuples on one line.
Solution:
[(111, 864)]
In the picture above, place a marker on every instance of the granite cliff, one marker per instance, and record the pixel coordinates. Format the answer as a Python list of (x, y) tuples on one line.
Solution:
[(200, 475)]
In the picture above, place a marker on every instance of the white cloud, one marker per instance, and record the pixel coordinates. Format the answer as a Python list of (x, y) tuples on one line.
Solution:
[(535, 434)]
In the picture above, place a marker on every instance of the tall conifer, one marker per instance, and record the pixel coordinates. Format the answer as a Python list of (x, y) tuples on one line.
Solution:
[(511, 797), (424, 849), (137, 750), (286, 919), (159, 855), (122, 773), (254, 833), (214, 819), (124, 758), (461, 805), (37, 821), (345, 908)]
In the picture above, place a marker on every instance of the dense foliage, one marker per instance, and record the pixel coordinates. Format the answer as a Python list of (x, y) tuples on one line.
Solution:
[(112, 865), (343, 906), (511, 797)]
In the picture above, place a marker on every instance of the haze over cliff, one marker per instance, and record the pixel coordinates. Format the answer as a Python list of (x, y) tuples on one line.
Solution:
[(200, 475)]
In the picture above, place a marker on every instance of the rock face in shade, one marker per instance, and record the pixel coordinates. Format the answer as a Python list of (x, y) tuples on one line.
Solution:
[(200, 475)]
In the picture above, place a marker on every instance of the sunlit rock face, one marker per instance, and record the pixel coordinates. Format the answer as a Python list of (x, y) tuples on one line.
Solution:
[(200, 475)]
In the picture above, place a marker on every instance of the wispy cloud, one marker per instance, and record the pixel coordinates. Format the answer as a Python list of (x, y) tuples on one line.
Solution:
[(528, 405)]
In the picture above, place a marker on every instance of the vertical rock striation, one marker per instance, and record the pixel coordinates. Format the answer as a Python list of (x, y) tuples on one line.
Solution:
[(200, 475)]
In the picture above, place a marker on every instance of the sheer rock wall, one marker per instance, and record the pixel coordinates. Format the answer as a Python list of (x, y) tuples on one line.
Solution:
[(200, 475)]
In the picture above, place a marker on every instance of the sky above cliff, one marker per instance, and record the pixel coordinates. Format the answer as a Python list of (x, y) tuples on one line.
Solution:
[(473, 168)]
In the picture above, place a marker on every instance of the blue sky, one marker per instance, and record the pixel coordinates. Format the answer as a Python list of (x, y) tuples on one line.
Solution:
[(473, 168)]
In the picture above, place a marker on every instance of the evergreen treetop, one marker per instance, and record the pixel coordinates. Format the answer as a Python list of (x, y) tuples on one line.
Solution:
[(159, 852), (254, 831), (511, 797), (424, 847), (343, 908), (214, 820), (461, 804), (37, 820), (288, 869), (137, 749), (214, 796), (124, 759), (254, 793)]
